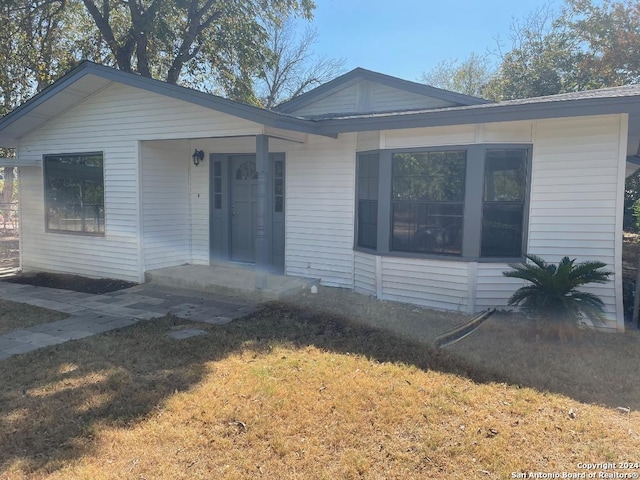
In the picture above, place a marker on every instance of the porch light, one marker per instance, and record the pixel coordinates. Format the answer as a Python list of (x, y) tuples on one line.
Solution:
[(198, 156)]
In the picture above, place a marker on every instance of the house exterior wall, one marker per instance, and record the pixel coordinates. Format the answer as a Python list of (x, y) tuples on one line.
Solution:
[(577, 180), (113, 121), (165, 203), (320, 209), (157, 202)]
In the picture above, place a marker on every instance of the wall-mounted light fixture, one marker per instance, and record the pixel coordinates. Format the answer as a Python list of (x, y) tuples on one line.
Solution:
[(197, 157)]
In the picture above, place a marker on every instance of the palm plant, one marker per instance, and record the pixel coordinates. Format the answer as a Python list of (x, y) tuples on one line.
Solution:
[(553, 293)]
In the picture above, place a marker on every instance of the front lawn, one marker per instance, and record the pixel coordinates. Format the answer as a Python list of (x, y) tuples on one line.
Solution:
[(286, 394), (15, 316)]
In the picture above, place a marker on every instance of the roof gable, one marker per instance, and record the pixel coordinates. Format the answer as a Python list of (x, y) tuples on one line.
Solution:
[(89, 78), (364, 91)]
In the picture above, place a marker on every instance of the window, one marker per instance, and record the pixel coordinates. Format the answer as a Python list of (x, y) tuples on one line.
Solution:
[(503, 202), (367, 168), (217, 184), (428, 202), (74, 193), (278, 186), (468, 201)]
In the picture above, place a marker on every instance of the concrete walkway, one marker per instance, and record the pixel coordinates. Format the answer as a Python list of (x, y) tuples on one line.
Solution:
[(91, 314)]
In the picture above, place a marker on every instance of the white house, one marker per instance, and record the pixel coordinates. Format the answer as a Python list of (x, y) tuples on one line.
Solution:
[(369, 182)]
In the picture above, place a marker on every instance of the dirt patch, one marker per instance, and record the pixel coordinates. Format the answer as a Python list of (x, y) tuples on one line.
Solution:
[(76, 283)]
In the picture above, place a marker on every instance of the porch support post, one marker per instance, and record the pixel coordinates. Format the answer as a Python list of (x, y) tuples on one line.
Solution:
[(262, 240)]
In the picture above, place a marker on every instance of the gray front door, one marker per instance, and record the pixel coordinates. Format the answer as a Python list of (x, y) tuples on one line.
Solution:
[(233, 207), (244, 203)]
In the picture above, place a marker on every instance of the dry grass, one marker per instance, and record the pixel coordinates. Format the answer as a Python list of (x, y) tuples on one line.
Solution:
[(285, 394), (14, 316)]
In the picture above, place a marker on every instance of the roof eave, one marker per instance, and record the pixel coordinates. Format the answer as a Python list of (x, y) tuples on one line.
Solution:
[(240, 110), (486, 114)]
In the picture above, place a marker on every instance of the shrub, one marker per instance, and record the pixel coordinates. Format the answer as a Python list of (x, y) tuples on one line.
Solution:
[(552, 295)]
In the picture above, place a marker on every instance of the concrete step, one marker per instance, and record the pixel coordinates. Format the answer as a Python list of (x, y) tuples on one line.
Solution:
[(229, 279)]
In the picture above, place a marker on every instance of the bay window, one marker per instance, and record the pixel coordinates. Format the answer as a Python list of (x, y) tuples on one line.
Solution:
[(463, 201)]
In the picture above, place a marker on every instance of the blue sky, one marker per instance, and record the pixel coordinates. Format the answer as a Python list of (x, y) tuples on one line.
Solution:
[(404, 38)]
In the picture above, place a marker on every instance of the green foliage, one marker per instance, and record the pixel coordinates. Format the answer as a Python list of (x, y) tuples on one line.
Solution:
[(585, 45), (631, 200), (553, 293), (470, 76)]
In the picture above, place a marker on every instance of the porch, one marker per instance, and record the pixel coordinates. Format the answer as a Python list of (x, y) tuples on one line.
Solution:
[(230, 279)]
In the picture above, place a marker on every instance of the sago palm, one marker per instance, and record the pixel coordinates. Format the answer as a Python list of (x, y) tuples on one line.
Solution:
[(553, 293)]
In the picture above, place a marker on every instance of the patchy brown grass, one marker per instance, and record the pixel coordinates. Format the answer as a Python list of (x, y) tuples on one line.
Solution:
[(285, 394), (14, 316)]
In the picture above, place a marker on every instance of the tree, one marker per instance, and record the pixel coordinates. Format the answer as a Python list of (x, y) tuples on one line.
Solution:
[(167, 39), (291, 67), (541, 60), (611, 33), (586, 45), (471, 76), (553, 296)]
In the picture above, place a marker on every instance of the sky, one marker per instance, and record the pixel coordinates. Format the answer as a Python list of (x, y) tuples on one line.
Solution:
[(405, 38)]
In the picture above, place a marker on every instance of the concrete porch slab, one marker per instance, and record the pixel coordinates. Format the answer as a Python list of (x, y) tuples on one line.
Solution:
[(229, 279)]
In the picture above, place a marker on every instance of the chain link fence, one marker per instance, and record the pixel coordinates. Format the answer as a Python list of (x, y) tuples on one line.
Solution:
[(9, 219)]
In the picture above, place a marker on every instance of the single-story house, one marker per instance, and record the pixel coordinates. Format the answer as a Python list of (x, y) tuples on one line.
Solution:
[(372, 183)]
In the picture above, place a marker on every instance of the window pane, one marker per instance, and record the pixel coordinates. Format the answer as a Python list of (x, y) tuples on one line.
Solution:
[(279, 170), (217, 185), (433, 176), (367, 213), (427, 227), (505, 180), (279, 186), (217, 201), (502, 229), (217, 169), (74, 189), (368, 223), (279, 206), (505, 175)]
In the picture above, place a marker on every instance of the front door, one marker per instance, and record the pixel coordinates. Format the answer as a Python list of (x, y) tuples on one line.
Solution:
[(234, 204), (244, 204)]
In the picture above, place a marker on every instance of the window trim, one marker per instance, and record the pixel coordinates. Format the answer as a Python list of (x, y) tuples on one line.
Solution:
[(472, 210), (46, 205)]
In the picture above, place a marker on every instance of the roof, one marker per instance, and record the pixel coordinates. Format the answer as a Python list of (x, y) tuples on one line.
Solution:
[(89, 78), (624, 99), (359, 74)]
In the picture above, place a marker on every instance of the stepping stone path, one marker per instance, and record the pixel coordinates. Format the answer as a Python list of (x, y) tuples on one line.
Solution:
[(90, 314)]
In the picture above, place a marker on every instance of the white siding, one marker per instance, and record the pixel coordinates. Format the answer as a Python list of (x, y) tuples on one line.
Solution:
[(199, 206), (113, 121), (365, 273), (437, 284), (431, 136), (387, 98), (574, 193), (165, 204), (366, 96), (344, 100), (493, 288), (319, 210)]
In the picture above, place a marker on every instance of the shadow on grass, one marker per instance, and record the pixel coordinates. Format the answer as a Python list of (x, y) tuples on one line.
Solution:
[(54, 400)]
